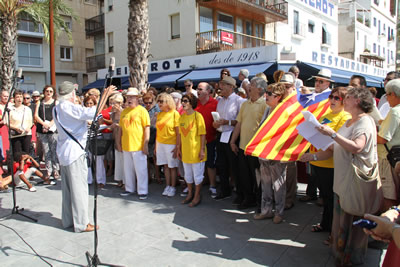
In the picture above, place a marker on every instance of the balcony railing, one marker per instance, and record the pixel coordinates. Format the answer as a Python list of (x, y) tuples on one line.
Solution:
[(30, 61), (94, 25), (96, 62), (266, 11), (223, 40)]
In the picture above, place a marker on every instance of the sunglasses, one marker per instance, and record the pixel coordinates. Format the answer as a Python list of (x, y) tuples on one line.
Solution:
[(185, 101), (159, 101), (337, 98), (149, 103), (224, 73), (270, 93), (187, 85), (27, 98), (49, 91)]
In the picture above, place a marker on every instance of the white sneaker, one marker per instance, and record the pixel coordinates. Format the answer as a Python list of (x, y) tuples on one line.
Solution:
[(213, 192), (166, 190), (32, 189), (185, 192), (172, 191)]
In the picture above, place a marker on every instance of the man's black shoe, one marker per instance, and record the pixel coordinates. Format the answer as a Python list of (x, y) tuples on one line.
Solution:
[(222, 196), (246, 204), (237, 201)]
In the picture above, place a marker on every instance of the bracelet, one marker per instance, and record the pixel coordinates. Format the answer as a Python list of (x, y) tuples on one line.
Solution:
[(395, 208), (394, 227)]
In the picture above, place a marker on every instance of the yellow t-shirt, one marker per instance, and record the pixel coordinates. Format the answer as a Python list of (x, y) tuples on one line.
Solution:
[(191, 127), (166, 123), (334, 121), (133, 122), (250, 116)]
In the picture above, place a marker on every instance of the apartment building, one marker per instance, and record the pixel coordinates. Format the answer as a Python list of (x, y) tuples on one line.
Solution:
[(195, 39), (368, 31), (33, 54)]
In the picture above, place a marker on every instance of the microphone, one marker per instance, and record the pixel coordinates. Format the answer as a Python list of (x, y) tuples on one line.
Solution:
[(111, 67)]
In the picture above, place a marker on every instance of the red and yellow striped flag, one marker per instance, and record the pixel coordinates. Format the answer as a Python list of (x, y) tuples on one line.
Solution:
[(277, 138)]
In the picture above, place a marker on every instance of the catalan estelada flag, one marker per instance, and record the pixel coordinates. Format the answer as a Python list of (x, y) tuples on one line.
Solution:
[(277, 138)]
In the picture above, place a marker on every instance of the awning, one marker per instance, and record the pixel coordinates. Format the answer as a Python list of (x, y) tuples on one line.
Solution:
[(339, 76), (214, 74), (167, 78), (121, 82)]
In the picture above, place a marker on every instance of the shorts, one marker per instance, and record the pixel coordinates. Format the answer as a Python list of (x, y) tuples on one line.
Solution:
[(211, 154), (27, 174), (194, 172), (164, 155)]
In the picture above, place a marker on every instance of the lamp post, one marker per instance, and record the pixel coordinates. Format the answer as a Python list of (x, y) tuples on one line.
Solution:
[(51, 36)]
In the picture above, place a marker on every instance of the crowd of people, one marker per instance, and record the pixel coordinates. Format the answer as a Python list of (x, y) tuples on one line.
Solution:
[(199, 136)]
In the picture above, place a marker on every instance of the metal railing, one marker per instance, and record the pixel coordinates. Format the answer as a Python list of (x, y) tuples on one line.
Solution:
[(30, 61), (93, 63), (94, 25), (223, 40)]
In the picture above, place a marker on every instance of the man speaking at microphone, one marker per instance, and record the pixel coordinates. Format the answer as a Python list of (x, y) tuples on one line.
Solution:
[(71, 121)]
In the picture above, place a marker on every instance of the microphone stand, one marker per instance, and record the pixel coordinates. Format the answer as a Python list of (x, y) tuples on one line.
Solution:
[(92, 135), (10, 156)]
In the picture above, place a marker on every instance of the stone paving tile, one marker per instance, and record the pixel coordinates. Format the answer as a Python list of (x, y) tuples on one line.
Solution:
[(162, 232)]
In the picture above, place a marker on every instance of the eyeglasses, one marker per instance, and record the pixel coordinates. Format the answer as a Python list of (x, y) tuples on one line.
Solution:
[(319, 81), (49, 91), (160, 101), (27, 98), (149, 103), (185, 101), (337, 98), (270, 93)]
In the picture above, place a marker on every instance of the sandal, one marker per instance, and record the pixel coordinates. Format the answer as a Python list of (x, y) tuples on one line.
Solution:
[(193, 204), (317, 228), (187, 200), (328, 241)]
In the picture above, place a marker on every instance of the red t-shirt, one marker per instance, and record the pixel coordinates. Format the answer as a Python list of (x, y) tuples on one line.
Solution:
[(106, 115), (27, 165), (206, 110)]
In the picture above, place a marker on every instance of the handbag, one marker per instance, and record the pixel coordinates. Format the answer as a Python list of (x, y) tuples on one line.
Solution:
[(363, 193), (393, 155)]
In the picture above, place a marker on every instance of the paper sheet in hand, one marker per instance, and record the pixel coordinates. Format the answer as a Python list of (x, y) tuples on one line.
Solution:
[(308, 130), (216, 117)]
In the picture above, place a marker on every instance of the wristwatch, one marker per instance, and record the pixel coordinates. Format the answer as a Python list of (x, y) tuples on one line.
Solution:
[(395, 208), (333, 136)]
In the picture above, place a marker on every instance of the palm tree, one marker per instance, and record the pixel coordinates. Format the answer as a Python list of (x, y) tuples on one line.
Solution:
[(9, 17), (138, 43)]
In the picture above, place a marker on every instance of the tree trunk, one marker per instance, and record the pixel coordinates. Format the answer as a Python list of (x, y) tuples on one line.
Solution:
[(9, 38), (138, 43)]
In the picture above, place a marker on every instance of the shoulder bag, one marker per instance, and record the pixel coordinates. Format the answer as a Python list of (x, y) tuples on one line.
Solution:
[(393, 155), (363, 192)]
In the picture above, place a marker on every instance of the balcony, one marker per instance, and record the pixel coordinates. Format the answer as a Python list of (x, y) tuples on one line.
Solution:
[(95, 25), (265, 11), (96, 62), (223, 40)]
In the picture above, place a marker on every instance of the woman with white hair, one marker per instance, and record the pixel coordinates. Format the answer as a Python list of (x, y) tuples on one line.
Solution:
[(389, 136)]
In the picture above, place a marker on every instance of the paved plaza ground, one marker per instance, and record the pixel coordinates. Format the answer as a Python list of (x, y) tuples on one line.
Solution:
[(160, 231)]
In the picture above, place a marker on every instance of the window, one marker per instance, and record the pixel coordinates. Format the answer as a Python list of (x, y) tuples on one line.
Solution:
[(391, 55), (374, 22), (175, 27), (326, 36), (365, 42), (29, 54), (376, 2), (296, 26), (374, 48), (225, 22), (379, 27), (26, 24), (66, 53), (93, 2), (68, 22), (206, 20), (311, 26), (110, 5), (383, 51), (358, 35), (110, 38), (379, 50)]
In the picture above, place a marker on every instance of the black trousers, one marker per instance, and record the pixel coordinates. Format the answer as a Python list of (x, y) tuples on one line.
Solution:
[(21, 144), (226, 165), (324, 179), (246, 181)]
